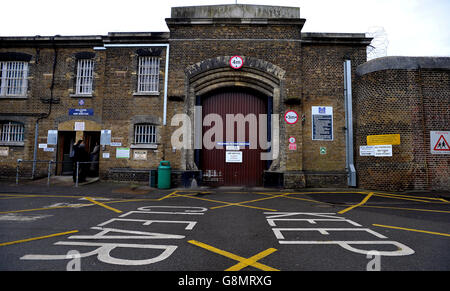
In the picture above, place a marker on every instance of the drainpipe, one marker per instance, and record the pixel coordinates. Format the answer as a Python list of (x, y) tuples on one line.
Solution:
[(350, 167)]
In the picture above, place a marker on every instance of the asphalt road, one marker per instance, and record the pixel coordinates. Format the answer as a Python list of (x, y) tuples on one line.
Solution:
[(105, 227)]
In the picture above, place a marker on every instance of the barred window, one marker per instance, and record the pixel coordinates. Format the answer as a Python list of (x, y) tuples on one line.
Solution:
[(11, 131), (148, 74), (144, 133), (13, 78), (85, 73)]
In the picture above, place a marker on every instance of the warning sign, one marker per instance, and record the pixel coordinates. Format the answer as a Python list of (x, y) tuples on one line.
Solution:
[(439, 142)]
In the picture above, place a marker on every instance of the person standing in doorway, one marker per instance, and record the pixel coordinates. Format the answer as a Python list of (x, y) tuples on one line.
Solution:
[(95, 154), (80, 155)]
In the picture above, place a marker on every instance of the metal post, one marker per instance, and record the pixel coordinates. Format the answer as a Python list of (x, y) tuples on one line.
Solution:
[(17, 171), (49, 172), (76, 181)]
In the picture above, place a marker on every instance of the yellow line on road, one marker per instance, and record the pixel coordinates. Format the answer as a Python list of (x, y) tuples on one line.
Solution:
[(103, 205), (242, 261), (36, 238), (410, 229), (409, 209), (253, 260), (223, 202), (359, 204), (290, 197), (250, 201), (168, 195)]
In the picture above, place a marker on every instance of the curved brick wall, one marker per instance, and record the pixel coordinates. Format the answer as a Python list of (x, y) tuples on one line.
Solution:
[(406, 96)]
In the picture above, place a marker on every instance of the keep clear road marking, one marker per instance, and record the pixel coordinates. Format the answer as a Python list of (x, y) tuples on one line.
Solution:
[(243, 262)]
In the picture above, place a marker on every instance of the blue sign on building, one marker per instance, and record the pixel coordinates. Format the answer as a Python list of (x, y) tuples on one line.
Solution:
[(81, 111)]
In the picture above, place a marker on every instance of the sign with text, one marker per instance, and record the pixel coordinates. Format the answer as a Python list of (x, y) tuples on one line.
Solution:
[(383, 150), (122, 153), (233, 157), (383, 139), (236, 62), (291, 117), (105, 137), (52, 137), (322, 123), (366, 151), (81, 111)]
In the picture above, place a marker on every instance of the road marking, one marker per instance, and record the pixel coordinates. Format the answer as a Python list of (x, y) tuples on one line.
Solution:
[(243, 262), (410, 229), (356, 205), (223, 202), (168, 195), (252, 260), (255, 200), (289, 197), (103, 205), (409, 209), (36, 238)]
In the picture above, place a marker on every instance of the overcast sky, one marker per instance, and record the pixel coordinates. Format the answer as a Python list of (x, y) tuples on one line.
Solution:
[(413, 27)]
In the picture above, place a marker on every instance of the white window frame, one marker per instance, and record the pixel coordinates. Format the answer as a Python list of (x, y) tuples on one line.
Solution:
[(145, 133), (13, 78), (148, 74), (85, 77), (11, 132)]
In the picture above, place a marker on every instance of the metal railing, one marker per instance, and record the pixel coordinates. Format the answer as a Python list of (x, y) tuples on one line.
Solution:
[(49, 168)]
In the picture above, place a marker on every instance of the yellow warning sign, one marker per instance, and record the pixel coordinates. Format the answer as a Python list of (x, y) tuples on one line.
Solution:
[(382, 139)]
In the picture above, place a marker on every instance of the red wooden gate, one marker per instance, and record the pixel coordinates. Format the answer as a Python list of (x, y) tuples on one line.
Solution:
[(216, 170)]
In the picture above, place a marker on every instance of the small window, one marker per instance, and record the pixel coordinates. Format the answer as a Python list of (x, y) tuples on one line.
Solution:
[(144, 133), (13, 78), (11, 131), (148, 75), (85, 73)]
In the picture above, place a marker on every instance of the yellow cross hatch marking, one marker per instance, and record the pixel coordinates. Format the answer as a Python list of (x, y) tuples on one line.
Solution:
[(243, 262)]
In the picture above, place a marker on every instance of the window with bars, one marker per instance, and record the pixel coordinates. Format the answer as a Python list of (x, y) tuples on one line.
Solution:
[(11, 131), (85, 76), (144, 133), (13, 78), (148, 75)]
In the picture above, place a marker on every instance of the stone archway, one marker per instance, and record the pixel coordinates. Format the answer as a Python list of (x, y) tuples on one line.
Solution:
[(215, 73)]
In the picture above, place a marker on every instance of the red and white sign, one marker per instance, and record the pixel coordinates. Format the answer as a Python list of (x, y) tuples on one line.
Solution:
[(439, 142), (291, 117), (293, 146), (292, 139), (236, 62)]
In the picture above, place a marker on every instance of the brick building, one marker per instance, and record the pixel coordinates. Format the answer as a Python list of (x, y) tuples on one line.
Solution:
[(137, 93)]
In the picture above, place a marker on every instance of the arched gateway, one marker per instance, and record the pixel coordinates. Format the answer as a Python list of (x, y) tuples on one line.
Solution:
[(236, 109)]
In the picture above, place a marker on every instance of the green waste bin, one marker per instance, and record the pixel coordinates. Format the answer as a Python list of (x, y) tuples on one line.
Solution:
[(164, 170)]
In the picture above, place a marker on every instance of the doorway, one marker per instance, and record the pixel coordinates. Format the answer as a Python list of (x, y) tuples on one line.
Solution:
[(236, 163), (66, 141)]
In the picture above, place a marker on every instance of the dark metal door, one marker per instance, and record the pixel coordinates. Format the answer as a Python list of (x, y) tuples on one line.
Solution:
[(216, 169)]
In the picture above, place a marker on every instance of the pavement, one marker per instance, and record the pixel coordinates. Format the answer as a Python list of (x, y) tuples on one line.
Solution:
[(133, 227)]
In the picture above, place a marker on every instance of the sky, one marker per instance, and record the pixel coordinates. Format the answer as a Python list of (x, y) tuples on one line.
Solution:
[(412, 27)]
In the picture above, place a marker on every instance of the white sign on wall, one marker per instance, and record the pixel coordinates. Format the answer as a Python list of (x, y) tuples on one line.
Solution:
[(233, 156), (383, 150), (366, 151), (79, 126), (440, 142), (322, 123)]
